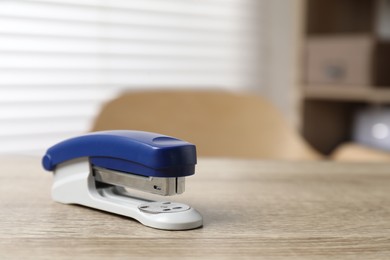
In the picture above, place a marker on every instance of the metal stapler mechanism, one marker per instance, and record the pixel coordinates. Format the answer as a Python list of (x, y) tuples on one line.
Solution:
[(96, 169)]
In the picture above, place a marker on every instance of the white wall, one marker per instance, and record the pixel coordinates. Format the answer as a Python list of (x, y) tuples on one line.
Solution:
[(282, 65)]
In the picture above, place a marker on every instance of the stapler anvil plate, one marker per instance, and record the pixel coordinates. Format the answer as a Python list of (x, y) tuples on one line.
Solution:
[(95, 169)]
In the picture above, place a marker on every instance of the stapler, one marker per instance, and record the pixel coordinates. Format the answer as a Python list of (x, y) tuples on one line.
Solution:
[(99, 170)]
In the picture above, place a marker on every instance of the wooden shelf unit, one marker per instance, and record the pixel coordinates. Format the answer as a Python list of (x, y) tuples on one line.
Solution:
[(329, 109), (369, 94)]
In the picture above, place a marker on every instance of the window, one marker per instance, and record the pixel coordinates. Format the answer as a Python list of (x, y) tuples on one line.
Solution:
[(61, 59)]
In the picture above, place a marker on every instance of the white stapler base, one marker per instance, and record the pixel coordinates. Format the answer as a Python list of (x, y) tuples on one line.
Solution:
[(74, 184)]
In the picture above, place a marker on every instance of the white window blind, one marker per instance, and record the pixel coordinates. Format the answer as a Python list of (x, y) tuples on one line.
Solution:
[(61, 59)]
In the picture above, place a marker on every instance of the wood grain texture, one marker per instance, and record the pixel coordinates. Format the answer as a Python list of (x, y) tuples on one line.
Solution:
[(252, 209)]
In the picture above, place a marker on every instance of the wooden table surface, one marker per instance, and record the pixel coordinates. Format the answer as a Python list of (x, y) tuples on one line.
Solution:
[(251, 209)]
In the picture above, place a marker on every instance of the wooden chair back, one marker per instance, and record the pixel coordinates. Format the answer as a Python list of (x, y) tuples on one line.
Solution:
[(219, 123)]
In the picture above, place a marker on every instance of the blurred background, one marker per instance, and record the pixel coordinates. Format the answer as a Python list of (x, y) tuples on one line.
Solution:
[(322, 64)]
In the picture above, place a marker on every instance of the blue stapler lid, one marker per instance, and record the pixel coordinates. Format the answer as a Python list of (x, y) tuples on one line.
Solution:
[(136, 152)]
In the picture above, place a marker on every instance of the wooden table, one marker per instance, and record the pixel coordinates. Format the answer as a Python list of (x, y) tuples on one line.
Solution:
[(251, 209)]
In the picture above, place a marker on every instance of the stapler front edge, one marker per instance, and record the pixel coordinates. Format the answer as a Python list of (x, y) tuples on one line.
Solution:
[(95, 169)]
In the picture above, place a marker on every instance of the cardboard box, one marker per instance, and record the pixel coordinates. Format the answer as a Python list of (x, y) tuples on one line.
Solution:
[(347, 60)]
